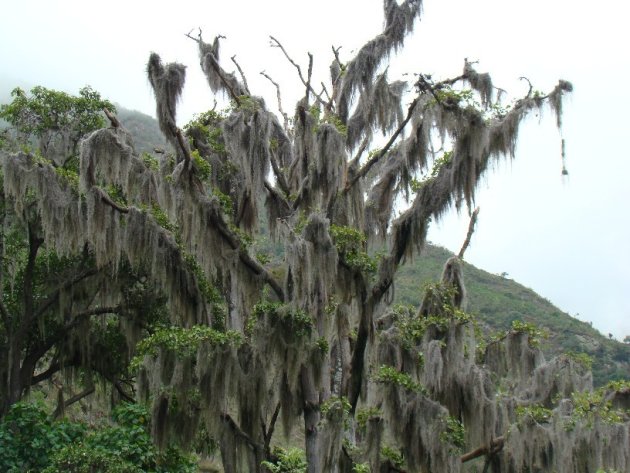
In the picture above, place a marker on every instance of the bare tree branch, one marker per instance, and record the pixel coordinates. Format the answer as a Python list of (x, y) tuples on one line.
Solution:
[(377, 157), (228, 86), (471, 230), (310, 75), (240, 71), (495, 446), (112, 118), (63, 404), (276, 44), (284, 115)]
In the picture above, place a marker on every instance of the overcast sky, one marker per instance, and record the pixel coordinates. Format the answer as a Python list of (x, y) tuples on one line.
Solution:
[(565, 238)]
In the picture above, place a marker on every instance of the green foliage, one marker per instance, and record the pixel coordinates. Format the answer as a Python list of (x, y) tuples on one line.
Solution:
[(360, 468), (150, 161), (350, 243), (322, 345), (390, 375), (582, 359), (295, 321), (225, 201), (395, 457), (329, 118), (441, 162), (365, 414), (336, 407), (412, 326), (205, 286), (116, 193), (203, 168), (454, 434), (69, 176), (534, 414), (31, 441), (184, 342), (534, 333), (263, 258), (28, 437), (591, 406), (162, 219), (449, 95), (44, 112), (286, 461), (245, 103)]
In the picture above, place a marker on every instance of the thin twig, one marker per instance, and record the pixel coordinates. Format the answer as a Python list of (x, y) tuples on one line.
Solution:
[(284, 115), (531, 87), (310, 76), (240, 71), (471, 230), (325, 91), (299, 69), (280, 179)]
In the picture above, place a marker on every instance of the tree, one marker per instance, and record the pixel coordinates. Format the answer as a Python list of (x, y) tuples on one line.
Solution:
[(49, 296), (310, 335)]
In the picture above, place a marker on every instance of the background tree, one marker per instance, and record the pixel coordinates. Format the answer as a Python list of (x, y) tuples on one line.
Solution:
[(311, 336), (60, 311)]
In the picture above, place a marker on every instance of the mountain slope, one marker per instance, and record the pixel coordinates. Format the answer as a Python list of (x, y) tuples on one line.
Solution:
[(497, 301)]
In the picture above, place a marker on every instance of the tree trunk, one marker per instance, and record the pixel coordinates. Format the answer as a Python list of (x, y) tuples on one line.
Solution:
[(311, 420)]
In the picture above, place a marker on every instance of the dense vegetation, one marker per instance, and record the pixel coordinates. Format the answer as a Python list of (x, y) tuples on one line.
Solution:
[(147, 279)]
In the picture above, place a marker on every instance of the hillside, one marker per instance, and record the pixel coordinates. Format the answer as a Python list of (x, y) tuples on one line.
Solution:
[(497, 301)]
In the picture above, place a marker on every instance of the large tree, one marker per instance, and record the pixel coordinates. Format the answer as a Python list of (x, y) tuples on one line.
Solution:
[(306, 335), (61, 312)]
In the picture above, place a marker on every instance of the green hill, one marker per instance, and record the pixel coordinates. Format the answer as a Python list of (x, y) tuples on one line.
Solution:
[(144, 129), (497, 301)]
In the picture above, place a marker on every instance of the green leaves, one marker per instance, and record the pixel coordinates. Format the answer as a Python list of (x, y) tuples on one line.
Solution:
[(30, 441), (286, 461), (534, 333), (350, 243), (45, 111), (454, 434), (390, 375), (296, 321), (534, 414), (185, 341)]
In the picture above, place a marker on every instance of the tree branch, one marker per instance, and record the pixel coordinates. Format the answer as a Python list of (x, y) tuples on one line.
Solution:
[(108, 200), (240, 71), (310, 76), (228, 86), (238, 431), (284, 115), (50, 300), (376, 158), (495, 446), (112, 118), (276, 44), (471, 230), (62, 405)]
